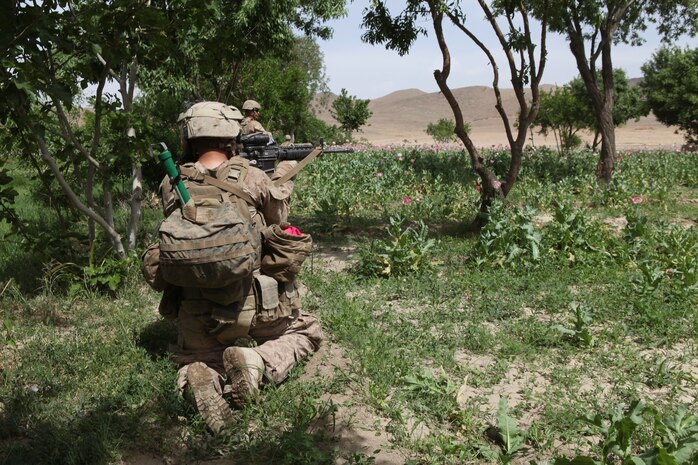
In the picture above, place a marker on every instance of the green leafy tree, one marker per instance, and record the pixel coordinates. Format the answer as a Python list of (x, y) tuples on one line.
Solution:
[(567, 110), (443, 130), (563, 114), (50, 52), (671, 88), (217, 43), (351, 112), (286, 85), (172, 51), (525, 59), (592, 27)]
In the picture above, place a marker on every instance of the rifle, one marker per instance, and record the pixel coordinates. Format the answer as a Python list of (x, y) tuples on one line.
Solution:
[(257, 149)]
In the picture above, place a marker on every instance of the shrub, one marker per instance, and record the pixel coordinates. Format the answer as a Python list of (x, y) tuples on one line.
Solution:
[(406, 250)]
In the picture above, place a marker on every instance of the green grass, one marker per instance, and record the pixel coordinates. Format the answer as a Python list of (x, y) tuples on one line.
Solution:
[(85, 378)]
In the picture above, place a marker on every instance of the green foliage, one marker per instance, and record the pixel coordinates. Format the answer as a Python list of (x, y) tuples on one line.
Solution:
[(7, 329), (579, 332), (407, 249), (513, 438), (676, 437), (199, 67), (574, 235), (105, 276), (592, 29), (443, 130), (171, 52), (350, 111), (286, 83), (509, 238), (8, 194), (563, 114), (431, 348), (566, 110), (670, 83), (315, 130), (342, 190)]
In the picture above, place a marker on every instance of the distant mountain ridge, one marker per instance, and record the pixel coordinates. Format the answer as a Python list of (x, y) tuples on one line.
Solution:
[(402, 117), (405, 114)]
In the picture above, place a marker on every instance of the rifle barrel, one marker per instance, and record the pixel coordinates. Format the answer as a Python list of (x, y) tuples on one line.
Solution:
[(338, 150)]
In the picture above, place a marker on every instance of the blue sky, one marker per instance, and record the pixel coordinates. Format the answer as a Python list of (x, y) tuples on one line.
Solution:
[(371, 71)]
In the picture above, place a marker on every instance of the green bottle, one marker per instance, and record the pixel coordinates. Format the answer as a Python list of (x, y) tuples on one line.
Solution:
[(171, 169)]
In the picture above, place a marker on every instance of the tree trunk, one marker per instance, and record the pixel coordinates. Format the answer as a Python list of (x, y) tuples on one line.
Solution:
[(89, 195), (136, 197), (604, 170), (74, 200)]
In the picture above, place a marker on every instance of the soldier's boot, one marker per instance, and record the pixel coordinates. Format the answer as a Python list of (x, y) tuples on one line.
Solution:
[(245, 368), (212, 407)]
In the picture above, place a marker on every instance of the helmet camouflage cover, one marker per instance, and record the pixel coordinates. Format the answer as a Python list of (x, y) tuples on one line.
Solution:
[(251, 105), (211, 120)]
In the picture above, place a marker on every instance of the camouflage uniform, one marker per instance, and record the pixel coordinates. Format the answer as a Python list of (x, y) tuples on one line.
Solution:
[(249, 125), (283, 336)]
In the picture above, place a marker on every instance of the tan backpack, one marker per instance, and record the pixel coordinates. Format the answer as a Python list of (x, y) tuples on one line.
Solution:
[(211, 242)]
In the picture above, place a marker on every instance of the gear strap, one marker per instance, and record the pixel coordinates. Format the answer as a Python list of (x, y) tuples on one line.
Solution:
[(195, 174), (302, 164)]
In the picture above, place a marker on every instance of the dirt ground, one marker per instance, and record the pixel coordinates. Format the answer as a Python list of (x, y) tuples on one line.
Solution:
[(647, 133)]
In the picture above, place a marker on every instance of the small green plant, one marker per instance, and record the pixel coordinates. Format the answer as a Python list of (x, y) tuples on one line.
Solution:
[(406, 250), (676, 254), (7, 329), (511, 436), (579, 331), (617, 430), (509, 238), (574, 233), (106, 276), (651, 276), (103, 277), (637, 226), (424, 382), (662, 375), (676, 437)]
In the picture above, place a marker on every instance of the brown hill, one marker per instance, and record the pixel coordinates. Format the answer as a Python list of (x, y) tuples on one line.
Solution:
[(402, 117)]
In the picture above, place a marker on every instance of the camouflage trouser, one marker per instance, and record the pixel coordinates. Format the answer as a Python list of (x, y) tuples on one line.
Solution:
[(285, 342), (281, 344)]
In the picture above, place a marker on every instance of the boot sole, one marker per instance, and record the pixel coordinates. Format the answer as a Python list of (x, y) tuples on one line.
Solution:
[(241, 389), (211, 405)]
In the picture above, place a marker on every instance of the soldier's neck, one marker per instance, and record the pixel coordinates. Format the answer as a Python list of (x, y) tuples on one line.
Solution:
[(212, 159)]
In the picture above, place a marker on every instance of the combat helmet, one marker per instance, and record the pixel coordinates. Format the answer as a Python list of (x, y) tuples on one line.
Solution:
[(210, 120), (250, 105)]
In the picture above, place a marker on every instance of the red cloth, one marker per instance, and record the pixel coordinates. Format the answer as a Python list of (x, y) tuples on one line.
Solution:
[(293, 231)]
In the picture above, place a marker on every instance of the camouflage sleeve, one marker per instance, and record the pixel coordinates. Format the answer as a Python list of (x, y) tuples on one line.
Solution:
[(282, 168), (257, 126), (272, 200)]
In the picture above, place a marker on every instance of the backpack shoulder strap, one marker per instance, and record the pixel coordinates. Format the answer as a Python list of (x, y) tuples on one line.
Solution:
[(195, 174)]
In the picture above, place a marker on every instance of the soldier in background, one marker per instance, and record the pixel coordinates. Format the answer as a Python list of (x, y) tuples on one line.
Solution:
[(250, 123)]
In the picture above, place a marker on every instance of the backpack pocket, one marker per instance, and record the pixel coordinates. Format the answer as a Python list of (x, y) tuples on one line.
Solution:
[(284, 253), (215, 253)]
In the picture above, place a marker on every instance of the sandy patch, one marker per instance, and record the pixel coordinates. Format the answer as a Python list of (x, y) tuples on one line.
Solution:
[(335, 259)]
